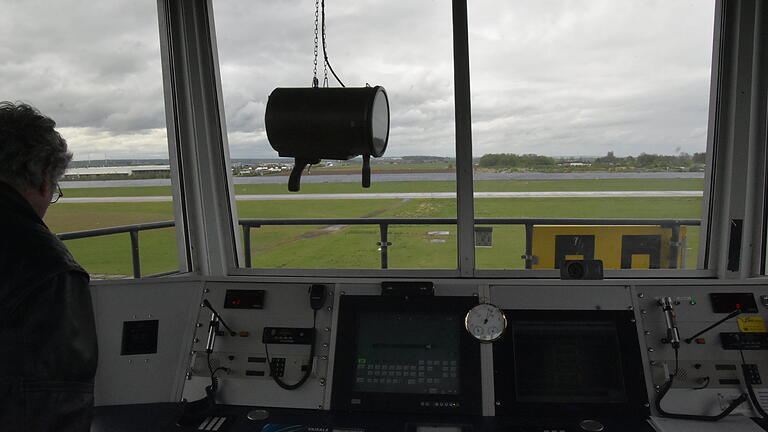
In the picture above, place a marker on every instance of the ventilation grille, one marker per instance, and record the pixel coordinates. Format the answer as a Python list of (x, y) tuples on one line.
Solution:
[(762, 397)]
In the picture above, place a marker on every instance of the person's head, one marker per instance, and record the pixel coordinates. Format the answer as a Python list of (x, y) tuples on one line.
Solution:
[(33, 156)]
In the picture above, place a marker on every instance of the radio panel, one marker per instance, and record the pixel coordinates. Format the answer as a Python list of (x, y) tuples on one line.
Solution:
[(381, 350)]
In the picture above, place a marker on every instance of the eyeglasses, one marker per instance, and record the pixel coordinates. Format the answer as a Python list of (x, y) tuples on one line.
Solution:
[(57, 194)]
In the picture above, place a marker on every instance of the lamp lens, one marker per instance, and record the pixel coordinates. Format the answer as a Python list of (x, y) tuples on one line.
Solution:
[(380, 123)]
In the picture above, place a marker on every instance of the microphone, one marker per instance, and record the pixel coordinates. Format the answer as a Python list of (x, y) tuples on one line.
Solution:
[(195, 412), (673, 335), (218, 317), (213, 327)]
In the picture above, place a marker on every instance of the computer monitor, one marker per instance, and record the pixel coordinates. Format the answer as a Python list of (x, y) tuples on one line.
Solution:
[(569, 363), (406, 355)]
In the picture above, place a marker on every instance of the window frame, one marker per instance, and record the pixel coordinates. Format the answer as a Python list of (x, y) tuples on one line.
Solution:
[(730, 19)]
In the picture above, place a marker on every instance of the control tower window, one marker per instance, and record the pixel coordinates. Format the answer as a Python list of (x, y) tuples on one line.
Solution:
[(404, 46), (94, 67), (585, 112), (590, 135)]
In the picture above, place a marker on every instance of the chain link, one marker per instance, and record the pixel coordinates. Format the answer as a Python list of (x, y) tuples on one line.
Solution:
[(317, 15), (325, 63)]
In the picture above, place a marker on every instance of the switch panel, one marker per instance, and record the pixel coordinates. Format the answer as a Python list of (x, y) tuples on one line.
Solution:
[(287, 335), (753, 374), (277, 366)]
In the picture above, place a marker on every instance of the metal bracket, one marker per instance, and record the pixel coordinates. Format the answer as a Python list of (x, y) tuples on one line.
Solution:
[(532, 258)]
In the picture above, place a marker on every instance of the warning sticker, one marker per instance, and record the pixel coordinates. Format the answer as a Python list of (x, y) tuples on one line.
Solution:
[(751, 324)]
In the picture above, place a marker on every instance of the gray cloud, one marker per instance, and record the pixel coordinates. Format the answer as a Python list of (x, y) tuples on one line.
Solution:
[(558, 77), (92, 66)]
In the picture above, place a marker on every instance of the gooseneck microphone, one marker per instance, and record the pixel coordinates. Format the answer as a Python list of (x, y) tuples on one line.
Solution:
[(213, 327), (673, 334), (193, 413), (218, 317), (733, 314), (673, 338)]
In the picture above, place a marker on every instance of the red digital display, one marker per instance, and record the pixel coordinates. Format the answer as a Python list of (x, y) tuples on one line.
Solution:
[(244, 299)]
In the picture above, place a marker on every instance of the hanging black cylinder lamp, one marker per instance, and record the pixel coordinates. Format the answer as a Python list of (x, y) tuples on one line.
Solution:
[(314, 123)]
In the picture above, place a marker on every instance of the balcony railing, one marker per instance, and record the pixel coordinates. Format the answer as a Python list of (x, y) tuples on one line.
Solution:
[(133, 231), (384, 224)]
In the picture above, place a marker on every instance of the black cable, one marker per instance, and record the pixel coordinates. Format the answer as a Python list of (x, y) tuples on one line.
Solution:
[(677, 361), (325, 53), (667, 385), (735, 313), (196, 411), (307, 372), (750, 388), (214, 382)]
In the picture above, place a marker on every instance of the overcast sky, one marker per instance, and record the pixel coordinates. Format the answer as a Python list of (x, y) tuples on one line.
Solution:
[(555, 77)]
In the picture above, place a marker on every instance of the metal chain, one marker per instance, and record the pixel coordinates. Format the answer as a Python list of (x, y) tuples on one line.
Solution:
[(317, 15), (325, 74), (325, 63)]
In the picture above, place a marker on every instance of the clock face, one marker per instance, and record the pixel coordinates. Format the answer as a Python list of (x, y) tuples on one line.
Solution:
[(485, 322)]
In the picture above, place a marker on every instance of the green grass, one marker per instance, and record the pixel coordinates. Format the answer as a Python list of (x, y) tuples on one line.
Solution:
[(111, 255), (413, 247), (117, 191), (356, 246), (425, 186), (66, 217)]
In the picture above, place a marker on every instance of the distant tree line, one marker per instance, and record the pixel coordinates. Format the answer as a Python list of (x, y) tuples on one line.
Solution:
[(511, 160), (645, 161), (651, 161)]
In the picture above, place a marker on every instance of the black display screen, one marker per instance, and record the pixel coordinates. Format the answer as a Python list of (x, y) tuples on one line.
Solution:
[(567, 361), (408, 353), (729, 302), (139, 337)]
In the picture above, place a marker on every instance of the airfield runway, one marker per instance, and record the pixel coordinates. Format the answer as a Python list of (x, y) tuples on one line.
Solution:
[(408, 195), (401, 177)]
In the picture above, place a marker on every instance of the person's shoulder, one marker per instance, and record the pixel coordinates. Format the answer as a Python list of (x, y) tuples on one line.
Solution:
[(35, 246), (32, 260)]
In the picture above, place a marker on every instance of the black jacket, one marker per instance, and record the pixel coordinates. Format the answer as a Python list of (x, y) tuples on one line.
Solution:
[(48, 348)]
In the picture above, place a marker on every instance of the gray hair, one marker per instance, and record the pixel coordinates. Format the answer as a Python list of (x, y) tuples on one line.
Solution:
[(31, 151)]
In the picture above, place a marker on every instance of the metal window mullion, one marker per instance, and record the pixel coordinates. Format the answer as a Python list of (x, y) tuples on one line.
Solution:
[(465, 206), (183, 243), (231, 207), (751, 166), (721, 147), (733, 174), (756, 204), (708, 241)]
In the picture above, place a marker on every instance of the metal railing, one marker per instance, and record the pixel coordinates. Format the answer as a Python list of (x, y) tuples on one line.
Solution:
[(528, 223), (133, 231), (384, 224)]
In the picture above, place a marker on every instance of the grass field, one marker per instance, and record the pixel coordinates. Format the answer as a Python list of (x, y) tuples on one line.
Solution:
[(355, 246)]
